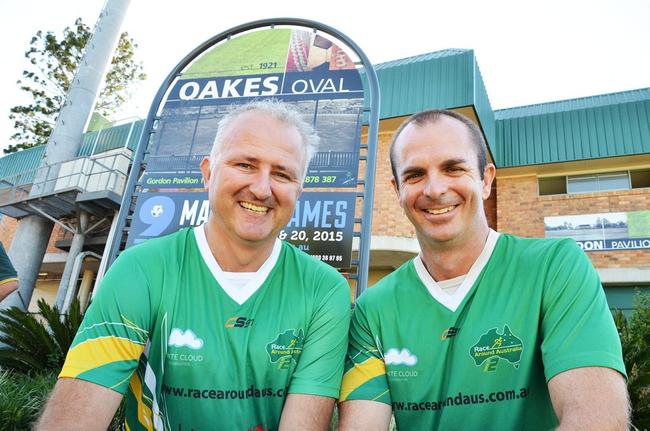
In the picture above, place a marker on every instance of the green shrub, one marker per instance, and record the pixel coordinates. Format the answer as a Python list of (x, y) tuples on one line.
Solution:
[(32, 356), (635, 340), (35, 345), (22, 398)]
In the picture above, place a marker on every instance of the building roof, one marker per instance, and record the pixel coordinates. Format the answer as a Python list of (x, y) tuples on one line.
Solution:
[(93, 143), (608, 125), (437, 80)]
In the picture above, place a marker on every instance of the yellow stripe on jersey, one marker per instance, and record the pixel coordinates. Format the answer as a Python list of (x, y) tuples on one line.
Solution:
[(144, 412), (360, 374), (94, 353), (7, 280)]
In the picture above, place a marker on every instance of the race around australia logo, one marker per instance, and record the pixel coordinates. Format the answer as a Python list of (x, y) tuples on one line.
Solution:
[(286, 347), (494, 346)]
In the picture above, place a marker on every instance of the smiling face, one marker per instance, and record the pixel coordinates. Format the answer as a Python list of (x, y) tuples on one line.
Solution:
[(441, 189), (254, 179)]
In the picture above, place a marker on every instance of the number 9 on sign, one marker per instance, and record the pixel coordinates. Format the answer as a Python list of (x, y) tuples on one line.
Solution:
[(157, 212)]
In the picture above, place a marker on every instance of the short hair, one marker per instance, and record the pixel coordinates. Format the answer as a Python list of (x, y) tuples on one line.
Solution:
[(432, 116), (280, 111)]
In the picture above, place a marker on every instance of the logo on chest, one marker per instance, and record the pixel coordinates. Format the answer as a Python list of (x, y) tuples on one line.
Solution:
[(179, 341), (399, 363), (286, 347), (448, 333), (493, 347), (239, 322)]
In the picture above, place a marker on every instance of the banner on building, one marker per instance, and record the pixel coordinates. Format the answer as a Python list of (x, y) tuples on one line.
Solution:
[(602, 231), (322, 223)]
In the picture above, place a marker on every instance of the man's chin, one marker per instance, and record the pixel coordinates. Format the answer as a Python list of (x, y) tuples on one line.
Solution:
[(440, 236), (253, 237)]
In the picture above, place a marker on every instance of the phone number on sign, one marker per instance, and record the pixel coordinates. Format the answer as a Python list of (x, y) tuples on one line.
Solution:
[(318, 235), (324, 179), (328, 257)]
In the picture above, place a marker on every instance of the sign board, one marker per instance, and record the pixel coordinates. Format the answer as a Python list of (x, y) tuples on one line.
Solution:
[(603, 231), (303, 68), (321, 225), (308, 64), (300, 67)]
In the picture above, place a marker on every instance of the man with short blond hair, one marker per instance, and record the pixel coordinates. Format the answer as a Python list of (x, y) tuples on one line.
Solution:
[(221, 326), (482, 330)]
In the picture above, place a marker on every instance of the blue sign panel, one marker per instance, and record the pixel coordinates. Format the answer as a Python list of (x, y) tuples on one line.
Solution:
[(322, 223)]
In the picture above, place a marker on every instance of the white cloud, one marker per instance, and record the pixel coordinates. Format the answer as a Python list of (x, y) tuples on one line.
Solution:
[(400, 357), (178, 338)]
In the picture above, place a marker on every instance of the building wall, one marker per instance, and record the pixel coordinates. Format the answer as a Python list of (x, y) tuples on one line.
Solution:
[(521, 212), (8, 228), (388, 217), (45, 289)]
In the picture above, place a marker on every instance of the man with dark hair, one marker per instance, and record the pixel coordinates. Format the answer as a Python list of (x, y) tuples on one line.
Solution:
[(8, 275), (221, 326), (481, 330)]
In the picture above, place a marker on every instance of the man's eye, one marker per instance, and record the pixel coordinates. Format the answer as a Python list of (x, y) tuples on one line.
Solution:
[(412, 176), (455, 169), (245, 165), (282, 175)]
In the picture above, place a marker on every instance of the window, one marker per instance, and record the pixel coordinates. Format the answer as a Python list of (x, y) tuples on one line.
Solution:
[(552, 186), (598, 183), (640, 178), (590, 183)]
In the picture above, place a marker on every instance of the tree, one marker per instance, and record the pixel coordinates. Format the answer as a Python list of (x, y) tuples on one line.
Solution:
[(635, 340), (53, 63)]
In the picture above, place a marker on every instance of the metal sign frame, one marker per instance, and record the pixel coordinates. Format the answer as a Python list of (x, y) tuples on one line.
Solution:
[(365, 221)]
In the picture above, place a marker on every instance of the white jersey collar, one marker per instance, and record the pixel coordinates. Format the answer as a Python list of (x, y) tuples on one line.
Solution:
[(452, 301), (238, 294)]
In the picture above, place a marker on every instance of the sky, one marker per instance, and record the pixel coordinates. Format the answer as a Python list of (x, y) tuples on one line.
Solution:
[(528, 51)]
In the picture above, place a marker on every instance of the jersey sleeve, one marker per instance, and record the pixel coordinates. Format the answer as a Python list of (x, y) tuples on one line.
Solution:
[(577, 327), (7, 271), (115, 328), (321, 362), (365, 370)]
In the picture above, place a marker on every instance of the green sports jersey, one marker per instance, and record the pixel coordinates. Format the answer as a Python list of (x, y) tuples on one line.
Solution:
[(188, 357), (536, 309)]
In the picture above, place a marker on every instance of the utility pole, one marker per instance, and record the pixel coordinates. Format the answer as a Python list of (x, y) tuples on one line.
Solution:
[(33, 233)]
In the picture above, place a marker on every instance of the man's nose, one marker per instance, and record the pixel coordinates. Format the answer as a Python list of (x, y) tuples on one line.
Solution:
[(261, 185), (436, 185)]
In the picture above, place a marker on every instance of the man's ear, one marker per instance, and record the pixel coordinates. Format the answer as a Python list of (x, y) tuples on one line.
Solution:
[(393, 182), (489, 173), (206, 170)]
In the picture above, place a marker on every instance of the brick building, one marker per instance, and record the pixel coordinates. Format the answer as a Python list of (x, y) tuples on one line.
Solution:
[(577, 168)]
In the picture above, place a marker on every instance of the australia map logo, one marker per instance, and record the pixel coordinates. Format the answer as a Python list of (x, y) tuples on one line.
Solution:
[(494, 346), (286, 347)]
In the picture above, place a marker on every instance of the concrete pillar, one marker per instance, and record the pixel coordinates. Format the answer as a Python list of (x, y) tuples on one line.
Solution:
[(63, 144), (84, 289), (26, 253), (76, 247), (65, 140)]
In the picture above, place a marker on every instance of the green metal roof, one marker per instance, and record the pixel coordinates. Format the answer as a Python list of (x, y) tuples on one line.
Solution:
[(93, 143), (21, 161), (608, 125), (111, 138), (438, 80)]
